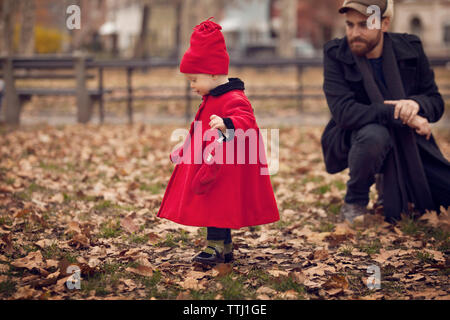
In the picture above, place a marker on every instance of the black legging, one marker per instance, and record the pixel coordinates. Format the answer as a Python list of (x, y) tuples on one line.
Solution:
[(214, 233)]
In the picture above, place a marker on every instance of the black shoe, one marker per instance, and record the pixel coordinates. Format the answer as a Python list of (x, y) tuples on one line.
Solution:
[(228, 257), (349, 211), (208, 258)]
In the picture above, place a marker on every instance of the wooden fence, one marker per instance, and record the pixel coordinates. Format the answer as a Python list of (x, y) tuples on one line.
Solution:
[(81, 68)]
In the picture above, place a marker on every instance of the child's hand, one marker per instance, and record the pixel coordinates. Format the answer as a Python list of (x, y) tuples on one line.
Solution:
[(217, 123)]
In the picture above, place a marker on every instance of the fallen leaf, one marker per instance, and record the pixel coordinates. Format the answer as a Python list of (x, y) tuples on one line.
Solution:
[(32, 260), (222, 269), (141, 270), (191, 283), (336, 282), (128, 224), (26, 293)]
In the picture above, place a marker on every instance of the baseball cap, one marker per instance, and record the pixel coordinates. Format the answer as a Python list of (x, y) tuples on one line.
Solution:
[(362, 5)]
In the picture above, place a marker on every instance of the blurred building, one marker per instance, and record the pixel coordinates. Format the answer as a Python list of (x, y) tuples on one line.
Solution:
[(252, 28), (247, 30), (429, 19), (52, 14)]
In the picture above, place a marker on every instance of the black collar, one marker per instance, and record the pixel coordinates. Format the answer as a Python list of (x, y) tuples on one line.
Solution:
[(232, 84)]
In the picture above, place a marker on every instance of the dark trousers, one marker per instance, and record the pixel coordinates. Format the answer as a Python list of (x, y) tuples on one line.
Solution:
[(369, 147), (219, 234)]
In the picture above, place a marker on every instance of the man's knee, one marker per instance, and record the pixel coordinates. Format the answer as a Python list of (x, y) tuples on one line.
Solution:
[(374, 139)]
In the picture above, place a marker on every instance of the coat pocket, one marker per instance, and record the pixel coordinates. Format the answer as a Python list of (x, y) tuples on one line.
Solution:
[(208, 173), (205, 178)]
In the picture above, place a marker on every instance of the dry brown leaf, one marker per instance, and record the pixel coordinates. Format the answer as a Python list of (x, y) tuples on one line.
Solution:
[(319, 255), (44, 243), (298, 276), (278, 273), (444, 219), (431, 218), (336, 282), (79, 241), (153, 238), (6, 242), (191, 283), (4, 268), (141, 270), (128, 225), (73, 226), (343, 229), (183, 295), (32, 260), (26, 293), (222, 269)]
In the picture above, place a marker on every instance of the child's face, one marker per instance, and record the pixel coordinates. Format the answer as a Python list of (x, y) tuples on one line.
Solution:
[(201, 83)]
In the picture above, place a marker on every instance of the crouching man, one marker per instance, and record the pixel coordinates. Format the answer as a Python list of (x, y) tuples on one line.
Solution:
[(382, 96)]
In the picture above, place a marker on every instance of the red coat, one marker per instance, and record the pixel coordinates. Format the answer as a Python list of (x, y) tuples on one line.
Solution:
[(227, 195)]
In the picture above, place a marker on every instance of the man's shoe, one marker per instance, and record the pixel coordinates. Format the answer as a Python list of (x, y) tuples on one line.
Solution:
[(349, 211), (210, 259)]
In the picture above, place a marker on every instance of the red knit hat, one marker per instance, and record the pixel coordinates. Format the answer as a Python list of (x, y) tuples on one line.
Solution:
[(208, 52)]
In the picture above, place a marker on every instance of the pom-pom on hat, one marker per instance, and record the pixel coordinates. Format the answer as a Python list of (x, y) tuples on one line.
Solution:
[(207, 52)]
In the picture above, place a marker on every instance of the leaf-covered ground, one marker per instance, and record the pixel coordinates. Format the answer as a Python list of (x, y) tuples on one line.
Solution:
[(86, 196)]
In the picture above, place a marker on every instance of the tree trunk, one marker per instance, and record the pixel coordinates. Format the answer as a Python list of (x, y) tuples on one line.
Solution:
[(288, 29), (141, 47), (8, 26), (26, 46)]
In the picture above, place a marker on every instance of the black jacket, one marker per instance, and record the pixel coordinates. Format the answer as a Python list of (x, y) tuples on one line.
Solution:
[(350, 105)]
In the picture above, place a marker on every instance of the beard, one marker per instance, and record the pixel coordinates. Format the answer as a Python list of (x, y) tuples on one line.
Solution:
[(361, 47)]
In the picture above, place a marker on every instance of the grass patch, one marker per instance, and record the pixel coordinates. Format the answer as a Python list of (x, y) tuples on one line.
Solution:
[(50, 166), (51, 252), (340, 185), (138, 239), (424, 257), (156, 188), (169, 241), (346, 250), (7, 288), (110, 229), (322, 189), (411, 227), (233, 287), (103, 205), (372, 247), (315, 179), (325, 227), (285, 284)]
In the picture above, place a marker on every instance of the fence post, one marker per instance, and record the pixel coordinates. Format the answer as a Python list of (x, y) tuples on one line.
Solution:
[(12, 107), (130, 95), (300, 88), (187, 113), (100, 89), (84, 106)]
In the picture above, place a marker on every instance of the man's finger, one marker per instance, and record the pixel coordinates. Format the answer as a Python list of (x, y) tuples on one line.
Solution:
[(406, 113), (398, 108), (391, 101), (212, 116), (412, 116)]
